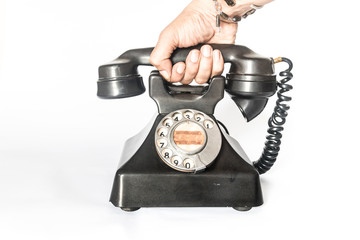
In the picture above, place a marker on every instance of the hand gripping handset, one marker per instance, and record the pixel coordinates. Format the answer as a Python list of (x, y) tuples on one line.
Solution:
[(250, 81), (184, 157)]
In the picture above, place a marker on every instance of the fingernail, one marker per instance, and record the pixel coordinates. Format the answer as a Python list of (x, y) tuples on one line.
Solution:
[(165, 74), (206, 51), (180, 69), (194, 57), (216, 54)]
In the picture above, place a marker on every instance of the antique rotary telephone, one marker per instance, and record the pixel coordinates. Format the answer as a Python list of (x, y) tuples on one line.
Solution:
[(185, 157)]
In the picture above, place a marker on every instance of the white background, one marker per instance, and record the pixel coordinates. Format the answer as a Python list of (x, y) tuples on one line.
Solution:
[(60, 144)]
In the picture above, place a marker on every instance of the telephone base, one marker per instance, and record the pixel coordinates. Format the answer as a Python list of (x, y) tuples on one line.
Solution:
[(143, 180)]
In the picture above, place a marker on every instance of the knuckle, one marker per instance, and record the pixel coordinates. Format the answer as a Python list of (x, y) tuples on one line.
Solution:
[(192, 70), (187, 78), (154, 60), (201, 79), (186, 81)]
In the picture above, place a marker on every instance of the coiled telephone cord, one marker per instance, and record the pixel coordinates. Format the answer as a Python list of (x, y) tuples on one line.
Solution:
[(276, 121)]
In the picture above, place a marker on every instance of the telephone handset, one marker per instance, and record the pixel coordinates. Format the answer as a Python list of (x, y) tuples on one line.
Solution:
[(250, 81), (185, 157)]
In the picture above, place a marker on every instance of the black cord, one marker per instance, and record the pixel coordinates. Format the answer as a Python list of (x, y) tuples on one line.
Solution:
[(223, 126), (276, 122)]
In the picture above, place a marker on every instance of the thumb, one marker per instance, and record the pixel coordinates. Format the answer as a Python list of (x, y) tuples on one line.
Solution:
[(160, 56)]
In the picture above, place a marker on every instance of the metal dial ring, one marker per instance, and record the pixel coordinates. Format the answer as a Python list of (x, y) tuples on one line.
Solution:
[(187, 140)]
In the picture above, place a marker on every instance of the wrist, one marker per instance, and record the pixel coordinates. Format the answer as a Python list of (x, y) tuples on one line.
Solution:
[(204, 7), (238, 9), (204, 10)]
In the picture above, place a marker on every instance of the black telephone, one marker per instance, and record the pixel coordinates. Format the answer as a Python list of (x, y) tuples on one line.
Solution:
[(185, 157)]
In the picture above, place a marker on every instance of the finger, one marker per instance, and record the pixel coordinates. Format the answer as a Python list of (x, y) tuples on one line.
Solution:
[(218, 63), (192, 66), (159, 57), (205, 67), (178, 72)]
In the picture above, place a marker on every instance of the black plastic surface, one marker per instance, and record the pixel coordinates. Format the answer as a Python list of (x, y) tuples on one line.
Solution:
[(251, 76), (121, 87), (146, 181), (171, 98), (242, 59)]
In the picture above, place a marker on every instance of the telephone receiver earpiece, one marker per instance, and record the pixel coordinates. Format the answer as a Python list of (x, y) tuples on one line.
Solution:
[(250, 81)]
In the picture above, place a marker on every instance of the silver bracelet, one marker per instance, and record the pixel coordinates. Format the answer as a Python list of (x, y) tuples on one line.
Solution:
[(224, 16)]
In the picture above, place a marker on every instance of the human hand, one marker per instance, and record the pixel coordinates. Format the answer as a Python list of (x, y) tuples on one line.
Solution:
[(196, 24)]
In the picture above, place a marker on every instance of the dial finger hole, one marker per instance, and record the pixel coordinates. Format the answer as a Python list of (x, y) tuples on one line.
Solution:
[(199, 117), (176, 160), (166, 153), (188, 115), (168, 122), (208, 124), (162, 132), (189, 163), (161, 143), (177, 116)]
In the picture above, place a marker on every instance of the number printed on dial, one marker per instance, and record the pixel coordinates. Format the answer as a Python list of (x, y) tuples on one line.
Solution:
[(188, 163), (161, 143), (167, 153), (199, 117), (168, 122), (162, 132), (177, 116), (176, 160), (188, 115)]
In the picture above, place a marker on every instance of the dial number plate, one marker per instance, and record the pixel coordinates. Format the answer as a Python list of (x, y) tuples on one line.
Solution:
[(187, 140)]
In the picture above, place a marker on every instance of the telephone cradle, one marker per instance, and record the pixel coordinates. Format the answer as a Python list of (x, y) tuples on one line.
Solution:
[(185, 157)]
